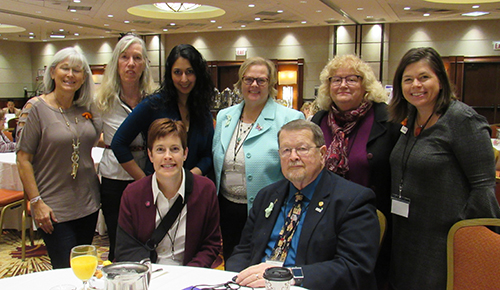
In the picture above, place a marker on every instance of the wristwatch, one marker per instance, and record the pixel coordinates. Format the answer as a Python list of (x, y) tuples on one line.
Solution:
[(298, 275)]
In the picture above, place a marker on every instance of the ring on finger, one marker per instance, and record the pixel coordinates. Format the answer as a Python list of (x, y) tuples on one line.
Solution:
[(257, 276)]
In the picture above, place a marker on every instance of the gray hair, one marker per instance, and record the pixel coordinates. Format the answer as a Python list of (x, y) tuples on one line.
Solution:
[(83, 96), (300, 124), (110, 88)]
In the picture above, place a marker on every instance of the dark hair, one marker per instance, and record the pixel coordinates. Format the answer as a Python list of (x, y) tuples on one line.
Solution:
[(163, 127), (300, 124), (399, 108), (200, 98)]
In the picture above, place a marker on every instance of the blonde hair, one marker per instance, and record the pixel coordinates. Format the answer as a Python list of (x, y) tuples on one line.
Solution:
[(110, 89), (374, 89), (271, 67)]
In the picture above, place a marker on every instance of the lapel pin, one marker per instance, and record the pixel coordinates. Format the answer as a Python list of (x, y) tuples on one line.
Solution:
[(228, 120), (148, 203), (318, 209), (258, 127), (269, 209)]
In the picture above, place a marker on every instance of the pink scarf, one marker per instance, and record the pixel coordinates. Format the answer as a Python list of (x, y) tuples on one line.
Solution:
[(341, 124)]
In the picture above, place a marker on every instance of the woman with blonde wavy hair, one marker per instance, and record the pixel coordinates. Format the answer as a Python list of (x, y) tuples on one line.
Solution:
[(126, 81), (354, 121)]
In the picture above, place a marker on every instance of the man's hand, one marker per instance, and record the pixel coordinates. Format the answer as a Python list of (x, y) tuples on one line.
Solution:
[(253, 276)]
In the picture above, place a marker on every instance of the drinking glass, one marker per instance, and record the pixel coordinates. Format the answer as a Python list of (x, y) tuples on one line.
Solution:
[(84, 262)]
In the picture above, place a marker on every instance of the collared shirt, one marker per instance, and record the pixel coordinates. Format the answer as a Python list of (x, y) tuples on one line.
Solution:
[(308, 193), (168, 254)]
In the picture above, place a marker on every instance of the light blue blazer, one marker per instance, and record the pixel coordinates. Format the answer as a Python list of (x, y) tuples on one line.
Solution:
[(262, 162)]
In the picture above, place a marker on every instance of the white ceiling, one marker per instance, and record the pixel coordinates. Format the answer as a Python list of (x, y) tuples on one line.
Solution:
[(45, 17)]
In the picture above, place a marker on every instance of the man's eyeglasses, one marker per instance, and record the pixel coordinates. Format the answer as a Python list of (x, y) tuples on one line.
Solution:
[(351, 80), (301, 151), (250, 80)]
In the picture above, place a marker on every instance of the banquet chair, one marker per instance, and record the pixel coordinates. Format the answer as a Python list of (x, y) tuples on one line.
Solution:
[(10, 199), (9, 135), (473, 255)]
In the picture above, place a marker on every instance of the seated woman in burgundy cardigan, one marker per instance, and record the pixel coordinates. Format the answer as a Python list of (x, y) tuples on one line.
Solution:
[(194, 237)]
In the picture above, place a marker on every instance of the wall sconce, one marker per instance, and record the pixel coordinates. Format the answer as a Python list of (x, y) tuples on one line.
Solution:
[(286, 79)]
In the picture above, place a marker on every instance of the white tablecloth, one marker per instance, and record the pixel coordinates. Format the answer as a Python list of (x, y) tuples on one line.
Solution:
[(9, 179), (170, 278)]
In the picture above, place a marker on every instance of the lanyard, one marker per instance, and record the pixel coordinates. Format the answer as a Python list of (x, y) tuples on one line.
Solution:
[(405, 162)]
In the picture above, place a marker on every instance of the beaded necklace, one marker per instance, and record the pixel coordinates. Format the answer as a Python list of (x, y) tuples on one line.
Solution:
[(75, 156)]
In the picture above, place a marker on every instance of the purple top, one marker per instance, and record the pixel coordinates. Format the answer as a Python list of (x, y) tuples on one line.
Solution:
[(359, 170)]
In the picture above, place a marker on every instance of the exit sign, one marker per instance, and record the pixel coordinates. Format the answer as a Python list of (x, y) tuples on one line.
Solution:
[(241, 51), (496, 45)]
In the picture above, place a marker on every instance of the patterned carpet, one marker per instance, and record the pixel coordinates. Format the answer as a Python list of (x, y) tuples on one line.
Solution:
[(36, 256)]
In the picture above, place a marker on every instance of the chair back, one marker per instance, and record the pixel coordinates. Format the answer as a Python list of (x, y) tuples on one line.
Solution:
[(383, 226), (473, 255), (9, 135)]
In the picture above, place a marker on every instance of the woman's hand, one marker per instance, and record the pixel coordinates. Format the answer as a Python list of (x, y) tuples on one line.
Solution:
[(44, 216), (197, 171)]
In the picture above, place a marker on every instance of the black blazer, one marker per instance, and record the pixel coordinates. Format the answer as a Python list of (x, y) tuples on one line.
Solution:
[(339, 240)]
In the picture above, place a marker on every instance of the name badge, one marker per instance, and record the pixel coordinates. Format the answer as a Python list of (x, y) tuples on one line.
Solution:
[(400, 206), (234, 178)]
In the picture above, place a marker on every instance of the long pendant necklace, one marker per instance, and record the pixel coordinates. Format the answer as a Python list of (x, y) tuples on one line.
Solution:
[(75, 156)]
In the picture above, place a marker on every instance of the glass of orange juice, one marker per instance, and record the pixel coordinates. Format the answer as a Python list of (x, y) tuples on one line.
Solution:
[(84, 262)]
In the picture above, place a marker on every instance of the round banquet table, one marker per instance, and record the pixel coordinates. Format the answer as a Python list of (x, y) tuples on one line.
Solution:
[(170, 277)]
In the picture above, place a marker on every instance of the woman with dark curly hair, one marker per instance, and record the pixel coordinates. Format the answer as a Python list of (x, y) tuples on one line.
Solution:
[(185, 94)]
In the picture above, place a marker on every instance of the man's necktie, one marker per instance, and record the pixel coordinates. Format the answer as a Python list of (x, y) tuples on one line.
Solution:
[(285, 237)]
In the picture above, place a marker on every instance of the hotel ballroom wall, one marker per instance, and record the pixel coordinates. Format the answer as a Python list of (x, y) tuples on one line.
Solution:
[(21, 61)]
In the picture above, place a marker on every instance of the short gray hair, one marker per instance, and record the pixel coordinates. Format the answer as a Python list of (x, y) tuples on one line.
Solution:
[(300, 124)]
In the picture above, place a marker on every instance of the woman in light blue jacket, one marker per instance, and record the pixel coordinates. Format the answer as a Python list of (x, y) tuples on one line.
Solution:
[(245, 146)]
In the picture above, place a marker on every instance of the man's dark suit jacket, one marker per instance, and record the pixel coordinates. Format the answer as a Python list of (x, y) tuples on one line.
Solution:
[(339, 240)]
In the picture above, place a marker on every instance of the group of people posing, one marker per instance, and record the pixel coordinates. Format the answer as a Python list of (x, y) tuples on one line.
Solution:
[(264, 187)]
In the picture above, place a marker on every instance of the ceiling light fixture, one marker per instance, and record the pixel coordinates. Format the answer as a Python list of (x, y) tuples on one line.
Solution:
[(475, 6), (176, 6), (427, 14), (57, 36), (475, 14), (407, 8), (251, 5)]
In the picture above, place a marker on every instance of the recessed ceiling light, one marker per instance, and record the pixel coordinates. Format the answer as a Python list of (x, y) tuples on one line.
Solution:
[(38, 12), (475, 6), (318, 11), (72, 10), (243, 26), (77, 34), (303, 22), (126, 21), (57, 36), (77, 1), (251, 5), (360, 8), (427, 14), (369, 16), (280, 11), (257, 18), (105, 24), (110, 15), (61, 30), (32, 37), (132, 29), (213, 21), (407, 8), (172, 24), (219, 27), (475, 13), (107, 31), (31, 33), (80, 27), (165, 29)]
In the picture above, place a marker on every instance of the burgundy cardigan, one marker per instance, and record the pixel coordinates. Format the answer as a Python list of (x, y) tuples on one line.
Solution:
[(203, 237)]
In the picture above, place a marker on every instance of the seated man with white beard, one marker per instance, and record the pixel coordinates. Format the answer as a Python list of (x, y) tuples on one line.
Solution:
[(314, 221)]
